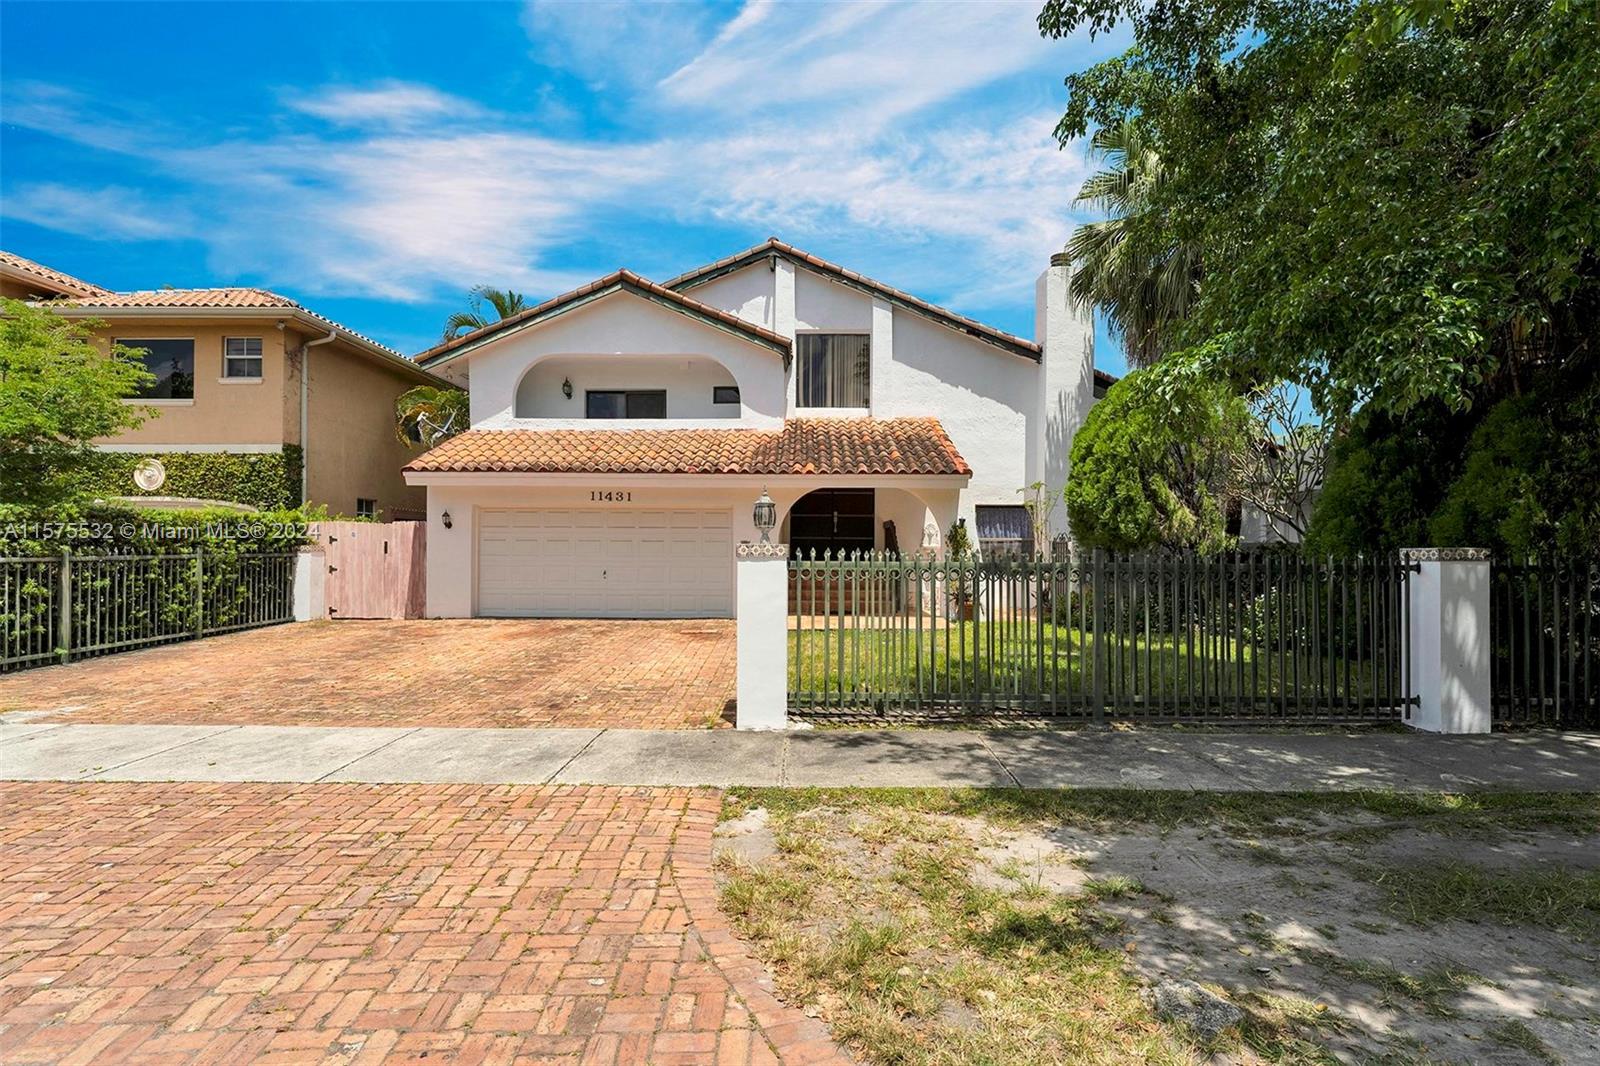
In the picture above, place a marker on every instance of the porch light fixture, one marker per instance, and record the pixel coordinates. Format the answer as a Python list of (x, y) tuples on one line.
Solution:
[(445, 518), (766, 515), (566, 387)]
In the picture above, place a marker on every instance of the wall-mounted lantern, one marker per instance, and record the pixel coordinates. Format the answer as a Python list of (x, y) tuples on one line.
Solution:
[(766, 515), (445, 518), (566, 387)]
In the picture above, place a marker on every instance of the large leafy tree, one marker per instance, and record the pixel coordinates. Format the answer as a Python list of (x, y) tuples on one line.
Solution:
[(1152, 464), (58, 392), (1128, 264), (502, 302), (1397, 203)]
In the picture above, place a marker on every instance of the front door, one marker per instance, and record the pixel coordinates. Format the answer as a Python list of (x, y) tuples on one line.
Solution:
[(840, 521)]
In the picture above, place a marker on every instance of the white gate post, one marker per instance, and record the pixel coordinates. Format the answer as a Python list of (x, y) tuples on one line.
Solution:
[(310, 584), (1447, 666), (762, 600)]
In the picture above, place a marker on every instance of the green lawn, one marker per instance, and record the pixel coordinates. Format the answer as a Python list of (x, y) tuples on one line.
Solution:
[(1025, 661)]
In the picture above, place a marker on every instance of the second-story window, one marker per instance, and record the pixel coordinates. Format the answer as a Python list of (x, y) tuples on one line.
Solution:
[(241, 357), (833, 370), (171, 360), (625, 403)]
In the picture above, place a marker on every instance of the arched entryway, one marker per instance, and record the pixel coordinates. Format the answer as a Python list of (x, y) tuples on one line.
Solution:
[(833, 521)]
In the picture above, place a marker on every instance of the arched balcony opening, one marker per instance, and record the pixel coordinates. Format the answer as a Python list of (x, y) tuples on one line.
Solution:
[(599, 387)]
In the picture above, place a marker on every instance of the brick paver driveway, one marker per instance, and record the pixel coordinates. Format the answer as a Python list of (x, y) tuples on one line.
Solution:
[(178, 923), (446, 672)]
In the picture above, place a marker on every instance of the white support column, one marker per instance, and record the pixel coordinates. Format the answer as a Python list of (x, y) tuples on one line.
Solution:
[(310, 584), (762, 601), (1447, 668)]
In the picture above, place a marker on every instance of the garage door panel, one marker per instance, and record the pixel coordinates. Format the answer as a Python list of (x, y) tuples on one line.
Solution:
[(567, 562)]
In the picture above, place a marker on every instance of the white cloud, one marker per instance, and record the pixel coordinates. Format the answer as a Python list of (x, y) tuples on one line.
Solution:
[(865, 63), (616, 44), (390, 103), (118, 213), (843, 126)]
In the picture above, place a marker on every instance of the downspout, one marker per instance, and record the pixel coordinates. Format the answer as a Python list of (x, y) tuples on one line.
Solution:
[(305, 422)]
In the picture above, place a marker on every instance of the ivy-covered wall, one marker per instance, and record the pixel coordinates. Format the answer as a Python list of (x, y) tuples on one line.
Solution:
[(269, 481)]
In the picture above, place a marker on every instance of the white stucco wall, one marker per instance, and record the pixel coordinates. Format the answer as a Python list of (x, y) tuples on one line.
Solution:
[(1010, 417), (688, 381), (617, 325), (452, 553), (747, 293)]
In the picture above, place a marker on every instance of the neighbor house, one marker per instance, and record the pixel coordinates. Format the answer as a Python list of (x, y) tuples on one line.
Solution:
[(621, 433), (256, 399)]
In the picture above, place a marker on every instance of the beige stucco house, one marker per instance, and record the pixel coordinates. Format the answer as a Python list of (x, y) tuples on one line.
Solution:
[(251, 373)]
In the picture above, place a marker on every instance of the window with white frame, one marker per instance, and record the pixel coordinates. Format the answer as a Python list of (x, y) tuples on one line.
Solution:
[(833, 370), (366, 508), (241, 357)]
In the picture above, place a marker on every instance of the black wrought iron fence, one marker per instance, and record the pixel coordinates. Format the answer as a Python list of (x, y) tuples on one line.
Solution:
[(1257, 636), (1545, 632), (62, 607)]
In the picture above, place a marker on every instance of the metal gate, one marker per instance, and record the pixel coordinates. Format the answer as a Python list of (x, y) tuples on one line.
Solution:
[(1257, 636), (1546, 643)]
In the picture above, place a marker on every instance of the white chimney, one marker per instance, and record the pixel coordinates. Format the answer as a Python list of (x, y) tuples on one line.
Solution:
[(1066, 376)]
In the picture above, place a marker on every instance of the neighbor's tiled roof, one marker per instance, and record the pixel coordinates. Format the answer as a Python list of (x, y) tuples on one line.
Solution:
[(55, 278), (226, 299), (189, 298), (618, 279), (825, 446)]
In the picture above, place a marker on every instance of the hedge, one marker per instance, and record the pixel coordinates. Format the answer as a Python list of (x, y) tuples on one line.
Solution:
[(114, 529), (270, 481)]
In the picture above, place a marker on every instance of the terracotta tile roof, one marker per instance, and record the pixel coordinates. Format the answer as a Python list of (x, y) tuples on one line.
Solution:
[(231, 297), (823, 446), (618, 279), (65, 283)]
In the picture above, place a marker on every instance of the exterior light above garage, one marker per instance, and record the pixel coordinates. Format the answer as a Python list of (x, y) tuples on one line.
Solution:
[(766, 515)]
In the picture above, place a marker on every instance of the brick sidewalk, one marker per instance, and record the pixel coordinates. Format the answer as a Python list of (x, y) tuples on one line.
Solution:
[(342, 923), (441, 672)]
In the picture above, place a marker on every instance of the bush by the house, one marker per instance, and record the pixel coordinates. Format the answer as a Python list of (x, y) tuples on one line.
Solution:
[(270, 481)]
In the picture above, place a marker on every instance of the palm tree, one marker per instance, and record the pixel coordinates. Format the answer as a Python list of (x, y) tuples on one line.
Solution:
[(504, 302), (1142, 279), (428, 414)]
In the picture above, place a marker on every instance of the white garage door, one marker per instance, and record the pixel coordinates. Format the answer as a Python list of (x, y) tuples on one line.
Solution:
[(605, 564)]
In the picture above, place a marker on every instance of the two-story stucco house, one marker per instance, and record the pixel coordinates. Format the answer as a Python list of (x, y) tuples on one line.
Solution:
[(253, 374), (621, 433)]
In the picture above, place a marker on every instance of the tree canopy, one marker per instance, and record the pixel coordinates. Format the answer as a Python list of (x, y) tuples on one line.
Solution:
[(1151, 464), (57, 393), (1396, 203)]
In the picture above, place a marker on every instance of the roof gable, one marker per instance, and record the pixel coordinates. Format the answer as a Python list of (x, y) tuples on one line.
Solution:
[(834, 272), (617, 281)]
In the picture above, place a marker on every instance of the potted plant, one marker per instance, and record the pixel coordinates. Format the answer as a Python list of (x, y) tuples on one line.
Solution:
[(958, 550)]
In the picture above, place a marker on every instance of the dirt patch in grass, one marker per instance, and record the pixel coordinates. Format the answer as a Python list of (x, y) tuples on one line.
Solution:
[(933, 926)]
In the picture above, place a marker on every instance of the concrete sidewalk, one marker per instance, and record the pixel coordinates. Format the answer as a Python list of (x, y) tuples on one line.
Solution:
[(1151, 758)]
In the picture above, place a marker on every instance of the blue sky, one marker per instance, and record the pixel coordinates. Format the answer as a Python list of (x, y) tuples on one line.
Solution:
[(377, 160)]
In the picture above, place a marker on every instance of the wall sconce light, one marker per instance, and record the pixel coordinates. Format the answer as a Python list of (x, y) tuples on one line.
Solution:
[(566, 387), (766, 515), (445, 518)]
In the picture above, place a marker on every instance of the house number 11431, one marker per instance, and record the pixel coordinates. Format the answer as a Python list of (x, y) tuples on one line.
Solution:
[(611, 497)]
